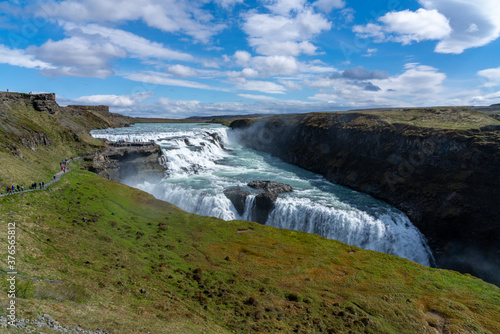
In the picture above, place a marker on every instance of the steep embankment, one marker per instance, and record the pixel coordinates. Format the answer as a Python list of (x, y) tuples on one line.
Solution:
[(129, 263), (36, 133), (440, 166)]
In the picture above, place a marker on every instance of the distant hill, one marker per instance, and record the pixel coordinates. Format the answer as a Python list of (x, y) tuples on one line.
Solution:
[(197, 119)]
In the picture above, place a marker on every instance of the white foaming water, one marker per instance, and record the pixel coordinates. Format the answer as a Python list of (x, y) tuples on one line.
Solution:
[(203, 160)]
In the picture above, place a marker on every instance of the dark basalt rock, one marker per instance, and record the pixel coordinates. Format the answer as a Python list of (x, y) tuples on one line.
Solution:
[(264, 201), (238, 197), (46, 103), (264, 204), (270, 186)]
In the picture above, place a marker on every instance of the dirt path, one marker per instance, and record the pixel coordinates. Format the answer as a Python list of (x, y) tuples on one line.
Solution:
[(55, 179)]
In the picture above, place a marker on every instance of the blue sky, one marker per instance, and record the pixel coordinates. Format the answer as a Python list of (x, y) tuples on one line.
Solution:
[(178, 58)]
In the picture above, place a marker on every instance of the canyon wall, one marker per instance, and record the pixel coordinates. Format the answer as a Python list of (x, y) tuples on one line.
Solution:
[(446, 180)]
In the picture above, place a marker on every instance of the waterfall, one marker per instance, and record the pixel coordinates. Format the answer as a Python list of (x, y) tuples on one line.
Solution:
[(388, 233), (202, 161)]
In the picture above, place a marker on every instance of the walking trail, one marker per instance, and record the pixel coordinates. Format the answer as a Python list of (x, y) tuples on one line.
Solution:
[(54, 180)]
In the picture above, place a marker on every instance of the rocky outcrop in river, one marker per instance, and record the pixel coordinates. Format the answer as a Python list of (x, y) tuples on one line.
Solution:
[(264, 201), (446, 180)]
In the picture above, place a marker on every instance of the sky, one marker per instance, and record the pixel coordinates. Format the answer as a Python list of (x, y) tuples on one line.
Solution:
[(181, 58)]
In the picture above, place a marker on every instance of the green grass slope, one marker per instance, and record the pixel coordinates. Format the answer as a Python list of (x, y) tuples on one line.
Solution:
[(32, 143), (130, 263)]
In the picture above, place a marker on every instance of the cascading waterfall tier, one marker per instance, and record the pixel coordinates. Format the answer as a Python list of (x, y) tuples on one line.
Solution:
[(203, 160)]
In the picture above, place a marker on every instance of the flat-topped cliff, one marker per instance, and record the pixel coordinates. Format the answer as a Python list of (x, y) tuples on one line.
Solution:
[(440, 166)]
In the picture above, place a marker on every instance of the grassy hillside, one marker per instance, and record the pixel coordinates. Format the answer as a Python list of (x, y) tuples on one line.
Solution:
[(32, 143), (106, 242)]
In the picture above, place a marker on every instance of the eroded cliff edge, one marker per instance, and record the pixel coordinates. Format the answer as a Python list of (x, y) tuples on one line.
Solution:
[(129, 164), (439, 166)]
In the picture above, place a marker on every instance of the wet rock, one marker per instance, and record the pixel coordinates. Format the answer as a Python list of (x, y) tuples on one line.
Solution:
[(270, 186), (238, 197), (264, 204), (265, 201)]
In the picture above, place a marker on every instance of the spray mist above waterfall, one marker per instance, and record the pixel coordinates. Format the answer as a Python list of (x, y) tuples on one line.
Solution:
[(204, 160)]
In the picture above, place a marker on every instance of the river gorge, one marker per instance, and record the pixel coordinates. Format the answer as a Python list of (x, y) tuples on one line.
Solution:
[(203, 161)]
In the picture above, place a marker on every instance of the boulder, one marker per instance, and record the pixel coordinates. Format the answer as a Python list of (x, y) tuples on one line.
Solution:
[(264, 201), (270, 186), (238, 197)]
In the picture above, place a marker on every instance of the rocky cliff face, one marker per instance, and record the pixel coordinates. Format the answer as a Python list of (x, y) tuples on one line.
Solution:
[(40, 102), (128, 164), (446, 180), (36, 120)]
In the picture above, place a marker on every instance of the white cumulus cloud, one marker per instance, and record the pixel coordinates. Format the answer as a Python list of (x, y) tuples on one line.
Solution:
[(136, 46), (182, 71), (77, 56), (417, 84), (328, 5), (492, 75), (406, 27), (287, 31), (262, 86), (173, 16), (114, 100), (18, 57), (457, 25), (474, 23)]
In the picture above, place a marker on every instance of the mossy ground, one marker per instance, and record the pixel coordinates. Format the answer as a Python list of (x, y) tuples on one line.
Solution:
[(455, 118), (441, 117), (105, 242)]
